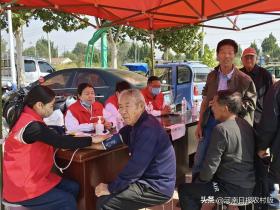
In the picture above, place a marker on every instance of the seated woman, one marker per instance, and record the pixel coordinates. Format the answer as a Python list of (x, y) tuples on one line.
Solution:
[(228, 172), (84, 113), (111, 113), (28, 156)]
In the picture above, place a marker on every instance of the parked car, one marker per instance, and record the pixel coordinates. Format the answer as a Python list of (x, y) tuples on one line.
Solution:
[(186, 79), (65, 82), (33, 68)]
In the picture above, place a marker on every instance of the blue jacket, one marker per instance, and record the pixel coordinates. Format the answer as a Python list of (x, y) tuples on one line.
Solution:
[(152, 160)]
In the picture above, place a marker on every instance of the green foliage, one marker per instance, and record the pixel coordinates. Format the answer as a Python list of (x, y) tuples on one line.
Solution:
[(270, 48), (42, 49), (254, 45), (208, 57), (237, 60), (51, 20), (142, 52), (77, 55), (30, 51), (186, 40)]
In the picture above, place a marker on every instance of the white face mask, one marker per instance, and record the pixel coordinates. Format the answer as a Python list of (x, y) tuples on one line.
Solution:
[(86, 104)]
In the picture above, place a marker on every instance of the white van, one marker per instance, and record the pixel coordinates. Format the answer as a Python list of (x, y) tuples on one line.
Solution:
[(33, 68)]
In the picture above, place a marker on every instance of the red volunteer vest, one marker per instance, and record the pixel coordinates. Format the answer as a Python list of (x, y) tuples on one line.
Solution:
[(157, 101), (27, 167), (113, 99), (85, 116)]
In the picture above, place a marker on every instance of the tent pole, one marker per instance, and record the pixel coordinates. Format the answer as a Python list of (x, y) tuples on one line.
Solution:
[(152, 42), (1, 124)]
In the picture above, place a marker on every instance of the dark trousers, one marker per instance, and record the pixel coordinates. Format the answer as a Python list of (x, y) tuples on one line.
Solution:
[(136, 196), (61, 197), (203, 146), (192, 195)]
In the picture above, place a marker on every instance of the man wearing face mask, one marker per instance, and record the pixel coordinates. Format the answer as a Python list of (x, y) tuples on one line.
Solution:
[(152, 93)]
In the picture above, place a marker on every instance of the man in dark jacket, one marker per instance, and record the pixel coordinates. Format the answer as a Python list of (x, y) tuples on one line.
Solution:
[(224, 77), (261, 77), (149, 177), (268, 136), (228, 169)]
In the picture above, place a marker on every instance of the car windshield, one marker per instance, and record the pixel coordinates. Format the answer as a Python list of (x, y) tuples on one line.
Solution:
[(131, 77), (200, 74)]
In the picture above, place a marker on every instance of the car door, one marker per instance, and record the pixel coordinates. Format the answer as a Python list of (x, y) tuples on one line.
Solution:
[(102, 90), (31, 75), (184, 84)]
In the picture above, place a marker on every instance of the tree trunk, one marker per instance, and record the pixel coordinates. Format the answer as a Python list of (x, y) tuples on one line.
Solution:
[(152, 54), (166, 54), (19, 58), (114, 55)]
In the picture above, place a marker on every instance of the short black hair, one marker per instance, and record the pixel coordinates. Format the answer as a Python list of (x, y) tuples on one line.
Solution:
[(82, 86), (233, 100), (123, 85), (152, 78), (227, 42)]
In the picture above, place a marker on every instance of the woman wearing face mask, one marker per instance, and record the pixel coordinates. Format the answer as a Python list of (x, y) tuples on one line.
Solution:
[(28, 156), (152, 93), (82, 115)]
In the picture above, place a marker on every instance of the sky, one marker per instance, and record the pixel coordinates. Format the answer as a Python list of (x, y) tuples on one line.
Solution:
[(65, 41)]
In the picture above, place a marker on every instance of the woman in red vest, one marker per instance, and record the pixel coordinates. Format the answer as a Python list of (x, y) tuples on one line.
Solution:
[(111, 113), (28, 156), (83, 114)]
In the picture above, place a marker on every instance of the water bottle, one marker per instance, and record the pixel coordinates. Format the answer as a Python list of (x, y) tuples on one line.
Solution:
[(184, 105), (99, 127), (150, 107), (195, 108)]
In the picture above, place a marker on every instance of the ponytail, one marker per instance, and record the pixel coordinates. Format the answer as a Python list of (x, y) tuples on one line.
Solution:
[(15, 108), (36, 94)]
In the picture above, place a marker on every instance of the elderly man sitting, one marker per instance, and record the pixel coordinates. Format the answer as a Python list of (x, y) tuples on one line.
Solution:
[(228, 169), (149, 177)]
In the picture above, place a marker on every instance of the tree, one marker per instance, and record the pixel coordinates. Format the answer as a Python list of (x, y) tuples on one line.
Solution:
[(186, 40), (254, 45), (141, 52), (30, 51), (42, 48), (51, 20), (3, 46), (114, 38), (77, 55), (237, 59), (208, 57), (270, 47)]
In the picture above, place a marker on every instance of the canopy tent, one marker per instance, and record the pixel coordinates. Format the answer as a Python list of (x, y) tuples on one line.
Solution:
[(155, 14)]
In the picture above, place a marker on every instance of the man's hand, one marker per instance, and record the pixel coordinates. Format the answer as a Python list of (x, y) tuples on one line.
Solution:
[(99, 138), (211, 102), (198, 132), (166, 110), (101, 189), (263, 154)]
